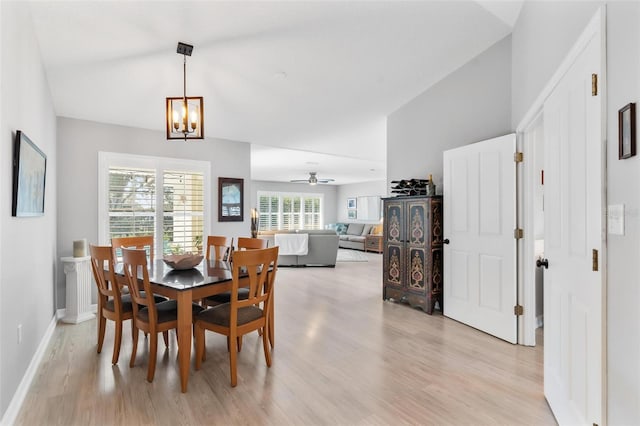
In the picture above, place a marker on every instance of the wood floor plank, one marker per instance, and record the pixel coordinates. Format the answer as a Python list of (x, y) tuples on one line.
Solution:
[(342, 356)]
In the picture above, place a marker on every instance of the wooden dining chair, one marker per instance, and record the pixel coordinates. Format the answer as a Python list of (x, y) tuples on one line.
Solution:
[(140, 242), (243, 244), (239, 317), (148, 316), (218, 248), (112, 305)]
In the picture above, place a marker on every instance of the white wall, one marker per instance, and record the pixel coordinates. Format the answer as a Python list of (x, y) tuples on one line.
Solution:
[(2, 182), (28, 245), (355, 190), (541, 38), (469, 105), (78, 146), (623, 277), (543, 34), (329, 192)]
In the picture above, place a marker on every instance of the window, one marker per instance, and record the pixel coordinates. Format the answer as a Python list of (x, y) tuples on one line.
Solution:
[(166, 198), (281, 210), (183, 224), (132, 202)]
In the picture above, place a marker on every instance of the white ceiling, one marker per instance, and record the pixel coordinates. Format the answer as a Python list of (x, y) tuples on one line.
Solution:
[(316, 79)]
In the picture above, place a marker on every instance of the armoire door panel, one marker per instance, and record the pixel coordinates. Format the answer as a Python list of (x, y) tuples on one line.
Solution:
[(416, 220), (394, 264), (417, 269)]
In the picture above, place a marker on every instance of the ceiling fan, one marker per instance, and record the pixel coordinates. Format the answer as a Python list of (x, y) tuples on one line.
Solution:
[(313, 179)]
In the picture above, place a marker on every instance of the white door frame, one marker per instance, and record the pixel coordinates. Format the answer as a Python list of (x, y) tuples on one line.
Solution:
[(527, 289), (526, 269), (527, 284)]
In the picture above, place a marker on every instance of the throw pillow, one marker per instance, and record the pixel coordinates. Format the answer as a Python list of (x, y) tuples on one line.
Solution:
[(341, 228), (355, 229), (376, 230)]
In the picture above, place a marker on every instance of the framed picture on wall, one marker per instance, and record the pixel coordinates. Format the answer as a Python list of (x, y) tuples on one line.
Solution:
[(29, 172), (351, 213), (351, 203), (627, 131), (230, 199)]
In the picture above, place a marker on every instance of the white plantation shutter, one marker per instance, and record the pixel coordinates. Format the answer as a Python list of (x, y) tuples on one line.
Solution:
[(132, 202), (183, 221), (290, 211), (311, 213), (166, 198), (268, 208)]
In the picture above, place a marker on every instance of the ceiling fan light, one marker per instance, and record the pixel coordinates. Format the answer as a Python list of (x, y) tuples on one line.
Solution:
[(312, 179)]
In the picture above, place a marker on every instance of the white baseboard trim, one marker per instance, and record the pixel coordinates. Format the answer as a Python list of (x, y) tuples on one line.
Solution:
[(539, 321), (60, 313), (18, 398)]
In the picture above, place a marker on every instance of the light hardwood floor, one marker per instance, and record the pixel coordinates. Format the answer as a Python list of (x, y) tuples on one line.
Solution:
[(342, 356)]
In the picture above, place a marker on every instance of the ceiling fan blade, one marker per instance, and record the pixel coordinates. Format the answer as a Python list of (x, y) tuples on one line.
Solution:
[(312, 179)]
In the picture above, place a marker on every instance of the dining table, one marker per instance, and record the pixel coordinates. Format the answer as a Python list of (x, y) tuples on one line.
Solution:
[(210, 277)]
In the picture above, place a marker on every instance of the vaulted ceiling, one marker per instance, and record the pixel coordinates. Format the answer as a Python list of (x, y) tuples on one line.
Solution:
[(308, 84)]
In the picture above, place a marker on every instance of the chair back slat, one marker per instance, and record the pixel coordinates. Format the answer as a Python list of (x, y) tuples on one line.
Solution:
[(135, 269), (103, 267), (219, 247), (245, 243), (141, 242)]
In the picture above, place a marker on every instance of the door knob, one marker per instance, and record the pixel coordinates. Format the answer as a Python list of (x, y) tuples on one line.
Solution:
[(542, 262), (445, 241)]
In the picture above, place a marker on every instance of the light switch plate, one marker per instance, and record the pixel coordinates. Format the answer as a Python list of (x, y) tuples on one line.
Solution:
[(615, 219)]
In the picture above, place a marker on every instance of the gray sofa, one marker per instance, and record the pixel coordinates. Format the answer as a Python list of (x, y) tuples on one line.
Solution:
[(353, 235), (323, 248)]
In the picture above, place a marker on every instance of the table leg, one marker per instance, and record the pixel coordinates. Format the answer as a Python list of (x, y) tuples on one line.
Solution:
[(185, 321)]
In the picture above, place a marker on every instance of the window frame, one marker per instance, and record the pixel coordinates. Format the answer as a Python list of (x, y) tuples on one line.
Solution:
[(301, 215), (106, 160)]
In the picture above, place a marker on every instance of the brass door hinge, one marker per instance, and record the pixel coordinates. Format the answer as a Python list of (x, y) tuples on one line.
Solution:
[(594, 84), (518, 233), (518, 157), (518, 310), (594, 259)]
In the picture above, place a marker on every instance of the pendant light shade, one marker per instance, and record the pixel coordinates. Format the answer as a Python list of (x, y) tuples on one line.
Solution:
[(185, 114)]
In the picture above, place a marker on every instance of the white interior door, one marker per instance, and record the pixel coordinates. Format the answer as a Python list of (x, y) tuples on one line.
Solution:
[(479, 222), (573, 295)]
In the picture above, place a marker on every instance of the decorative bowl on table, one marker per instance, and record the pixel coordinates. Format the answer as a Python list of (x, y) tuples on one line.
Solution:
[(183, 261)]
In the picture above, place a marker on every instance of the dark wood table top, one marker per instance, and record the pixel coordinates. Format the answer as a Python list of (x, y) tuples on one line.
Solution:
[(208, 272)]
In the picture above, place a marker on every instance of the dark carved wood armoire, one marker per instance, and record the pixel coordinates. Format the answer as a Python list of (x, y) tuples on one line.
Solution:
[(412, 247)]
